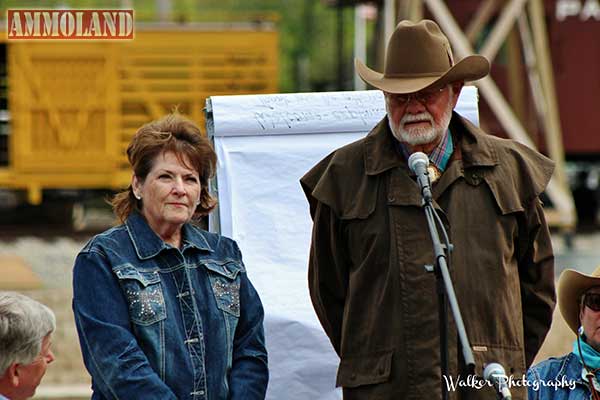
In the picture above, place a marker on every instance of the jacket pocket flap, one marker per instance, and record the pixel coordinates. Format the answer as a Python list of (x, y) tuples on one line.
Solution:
[(508, 201), (227, 268), (128, 271), (511, 358), (367, 369)]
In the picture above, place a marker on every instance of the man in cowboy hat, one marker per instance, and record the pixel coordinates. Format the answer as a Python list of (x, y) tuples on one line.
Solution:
[(375, 300), (577, 374)]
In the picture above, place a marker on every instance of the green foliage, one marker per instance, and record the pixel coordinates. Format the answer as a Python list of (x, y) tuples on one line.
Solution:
[(309, 48)]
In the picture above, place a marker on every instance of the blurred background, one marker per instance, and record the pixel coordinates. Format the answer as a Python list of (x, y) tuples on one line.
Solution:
[(69, 108)]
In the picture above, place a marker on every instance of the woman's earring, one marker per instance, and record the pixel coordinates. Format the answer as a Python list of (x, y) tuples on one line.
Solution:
[(580, 330), (137, 196)]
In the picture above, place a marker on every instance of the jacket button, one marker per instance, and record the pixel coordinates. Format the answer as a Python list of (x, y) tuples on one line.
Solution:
[(391, 198), (475, 178), (353, 377)]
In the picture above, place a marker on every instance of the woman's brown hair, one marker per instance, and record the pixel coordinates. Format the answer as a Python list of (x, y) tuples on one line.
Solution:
[(172, 133)]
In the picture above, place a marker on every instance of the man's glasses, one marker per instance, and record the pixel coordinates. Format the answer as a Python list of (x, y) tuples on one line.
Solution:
[(423, 97), (592, 301)]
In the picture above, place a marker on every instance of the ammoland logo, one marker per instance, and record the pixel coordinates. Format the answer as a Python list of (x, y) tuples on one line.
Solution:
[(69, 24)]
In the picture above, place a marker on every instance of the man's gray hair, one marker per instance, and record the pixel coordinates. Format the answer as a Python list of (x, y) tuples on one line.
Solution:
[(24, 323)]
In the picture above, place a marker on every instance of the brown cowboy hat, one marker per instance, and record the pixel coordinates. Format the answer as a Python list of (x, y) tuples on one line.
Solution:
[(418, 56), (571, 286)]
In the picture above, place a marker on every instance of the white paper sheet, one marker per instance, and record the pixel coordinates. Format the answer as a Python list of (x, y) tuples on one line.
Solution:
[(309, 113), (264, 145)]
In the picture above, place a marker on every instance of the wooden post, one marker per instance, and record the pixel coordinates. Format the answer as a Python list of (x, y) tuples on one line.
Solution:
[(502, 28), (517, 93), (415, 10), (389, 17), (535, 83), (557, 190), (360, 43), (553, 129), (484, 13)]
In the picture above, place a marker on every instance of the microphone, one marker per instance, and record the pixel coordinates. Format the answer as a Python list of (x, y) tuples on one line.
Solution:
[(494, 373), (418, 163)]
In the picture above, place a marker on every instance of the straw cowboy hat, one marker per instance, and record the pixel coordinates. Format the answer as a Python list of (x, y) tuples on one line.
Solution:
[(571, 285), (418, 56)]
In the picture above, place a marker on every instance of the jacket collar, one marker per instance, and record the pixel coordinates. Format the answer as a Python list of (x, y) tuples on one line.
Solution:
[(148, 244), (381, 154), (475, 145), (379, 150)]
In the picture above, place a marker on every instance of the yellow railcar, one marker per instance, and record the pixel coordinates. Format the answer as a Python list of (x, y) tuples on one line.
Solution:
[(73, 106)]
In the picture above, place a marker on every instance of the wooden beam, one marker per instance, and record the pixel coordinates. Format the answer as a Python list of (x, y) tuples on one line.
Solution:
[(517, 92), (537, 92), (504, 25), (552, 120), (415, 10), (483, 15), (556, 190), (389, 18)]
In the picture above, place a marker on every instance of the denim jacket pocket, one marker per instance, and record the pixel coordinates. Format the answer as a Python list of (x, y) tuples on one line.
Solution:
[(143, 292), (225, 283)]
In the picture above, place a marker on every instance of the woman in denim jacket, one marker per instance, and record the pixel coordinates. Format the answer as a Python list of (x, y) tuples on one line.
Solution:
[(576, 375), (164, 309)]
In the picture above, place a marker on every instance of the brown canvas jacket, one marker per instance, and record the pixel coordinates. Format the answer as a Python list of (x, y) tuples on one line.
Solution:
[(370, 243)]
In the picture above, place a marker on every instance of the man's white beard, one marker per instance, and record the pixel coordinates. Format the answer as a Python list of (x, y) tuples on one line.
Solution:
[(420, 135)]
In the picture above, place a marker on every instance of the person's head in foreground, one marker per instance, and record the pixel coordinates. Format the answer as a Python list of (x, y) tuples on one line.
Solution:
[(172, 164), (577, 372), (579, 302), (26, 328), (421, 82)]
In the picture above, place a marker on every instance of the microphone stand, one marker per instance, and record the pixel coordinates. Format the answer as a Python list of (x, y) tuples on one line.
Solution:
[(445, 293)]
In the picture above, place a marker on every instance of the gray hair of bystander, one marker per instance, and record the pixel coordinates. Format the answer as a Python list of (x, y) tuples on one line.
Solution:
[(24, 323)]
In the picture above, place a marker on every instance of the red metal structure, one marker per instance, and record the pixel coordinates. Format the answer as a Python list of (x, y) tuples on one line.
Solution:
[(574, 37)]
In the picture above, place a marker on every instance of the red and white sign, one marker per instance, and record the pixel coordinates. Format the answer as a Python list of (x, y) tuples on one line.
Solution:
[(69, 24), (584, 10)]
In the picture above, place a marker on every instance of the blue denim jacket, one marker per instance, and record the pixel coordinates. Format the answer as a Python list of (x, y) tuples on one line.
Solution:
[(558, 379), (157, 322)]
